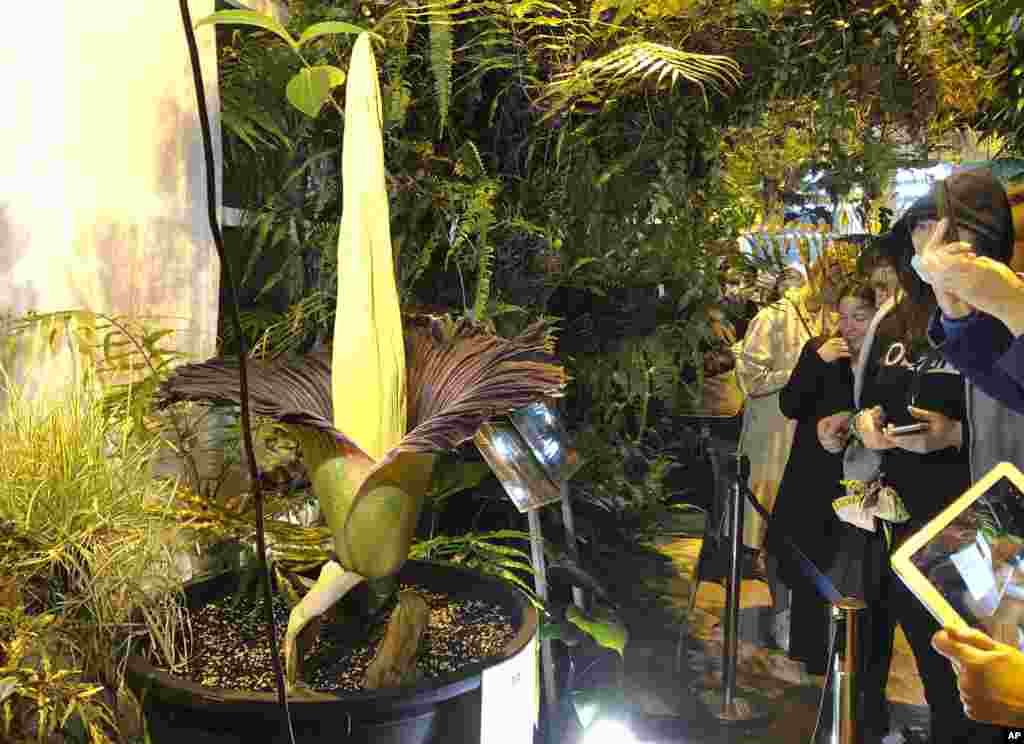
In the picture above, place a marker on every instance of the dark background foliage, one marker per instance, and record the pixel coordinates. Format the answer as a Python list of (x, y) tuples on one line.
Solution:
[(533, 172)]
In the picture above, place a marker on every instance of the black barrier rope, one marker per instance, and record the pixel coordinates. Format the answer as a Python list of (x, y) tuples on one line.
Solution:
[(826, 589), (225, 267), (821, 582)]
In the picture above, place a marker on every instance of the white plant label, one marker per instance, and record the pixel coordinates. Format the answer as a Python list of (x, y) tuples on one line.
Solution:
[(510, 698), (976, 569)]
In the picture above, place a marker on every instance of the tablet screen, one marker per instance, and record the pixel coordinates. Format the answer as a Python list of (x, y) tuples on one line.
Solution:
[(967, 564)]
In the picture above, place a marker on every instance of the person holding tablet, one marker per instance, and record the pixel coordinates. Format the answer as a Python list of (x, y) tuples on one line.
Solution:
[(978, 328)]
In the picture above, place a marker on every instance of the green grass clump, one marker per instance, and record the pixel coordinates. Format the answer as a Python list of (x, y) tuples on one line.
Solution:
[(83, 544)]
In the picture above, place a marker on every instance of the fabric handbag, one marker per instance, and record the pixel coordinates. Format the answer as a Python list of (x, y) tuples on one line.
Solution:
[(859, 563)]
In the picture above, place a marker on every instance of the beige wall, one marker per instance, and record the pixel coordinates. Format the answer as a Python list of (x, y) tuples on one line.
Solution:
[(102, 189)]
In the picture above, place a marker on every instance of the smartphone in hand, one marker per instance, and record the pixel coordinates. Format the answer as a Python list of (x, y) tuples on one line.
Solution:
[(901, 431)]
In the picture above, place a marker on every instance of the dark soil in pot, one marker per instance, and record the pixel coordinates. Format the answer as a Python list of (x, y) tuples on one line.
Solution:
[(231, 650), (476, 622)]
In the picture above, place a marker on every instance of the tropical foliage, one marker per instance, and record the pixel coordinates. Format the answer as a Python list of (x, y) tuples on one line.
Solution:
[(552, 158), (571, 159), (86, 563)]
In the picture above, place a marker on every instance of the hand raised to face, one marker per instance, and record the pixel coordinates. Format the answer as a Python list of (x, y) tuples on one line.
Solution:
[(936, 261), (834, 349)]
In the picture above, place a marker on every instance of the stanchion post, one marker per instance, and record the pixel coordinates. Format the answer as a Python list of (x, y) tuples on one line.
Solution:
[(730, 635), (716, 510), (844, 665), (723, 703)]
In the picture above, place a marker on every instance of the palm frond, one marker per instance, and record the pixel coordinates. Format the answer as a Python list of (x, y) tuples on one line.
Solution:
[(638, 62)]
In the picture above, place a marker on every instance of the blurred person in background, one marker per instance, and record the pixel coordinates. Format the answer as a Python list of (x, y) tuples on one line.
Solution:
[(884, 282), (738, 301)]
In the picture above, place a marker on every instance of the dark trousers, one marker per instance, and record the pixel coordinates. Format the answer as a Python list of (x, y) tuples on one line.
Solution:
[(898, 605), (809, 627)]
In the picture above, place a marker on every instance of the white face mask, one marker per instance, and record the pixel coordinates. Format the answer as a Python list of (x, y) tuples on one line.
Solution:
[(915, 264)]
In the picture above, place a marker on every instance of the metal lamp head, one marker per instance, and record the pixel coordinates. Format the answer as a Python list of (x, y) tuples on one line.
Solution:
[(529, 454), (541, 428), (514, 465)]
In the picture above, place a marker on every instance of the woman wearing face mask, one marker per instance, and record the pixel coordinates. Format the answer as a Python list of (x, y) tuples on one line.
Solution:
[(821, 384)]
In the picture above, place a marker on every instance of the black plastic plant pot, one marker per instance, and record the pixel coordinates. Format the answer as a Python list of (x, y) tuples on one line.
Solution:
[(443, 709)]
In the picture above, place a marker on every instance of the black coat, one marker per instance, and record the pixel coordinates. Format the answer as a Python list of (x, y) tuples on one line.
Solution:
[(927, 483), (810, 482)]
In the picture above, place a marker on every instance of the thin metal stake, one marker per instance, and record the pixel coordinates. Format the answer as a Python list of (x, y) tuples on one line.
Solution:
[(570, 538), (723, 703), (730, 635), (540, 583)]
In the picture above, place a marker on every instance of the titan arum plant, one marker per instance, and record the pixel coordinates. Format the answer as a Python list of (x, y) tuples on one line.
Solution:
[(373, 414)]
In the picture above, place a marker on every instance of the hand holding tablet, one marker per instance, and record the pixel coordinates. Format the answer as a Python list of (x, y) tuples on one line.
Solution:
[(965, 565)]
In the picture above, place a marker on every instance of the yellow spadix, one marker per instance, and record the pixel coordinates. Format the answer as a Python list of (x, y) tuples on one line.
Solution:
[(368, 358)]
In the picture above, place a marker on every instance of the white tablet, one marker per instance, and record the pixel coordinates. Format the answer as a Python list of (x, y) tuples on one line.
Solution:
[(967, 564)]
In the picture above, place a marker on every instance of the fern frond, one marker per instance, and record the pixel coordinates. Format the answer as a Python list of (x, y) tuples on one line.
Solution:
[(485, 270), (413, 267), (472, 163), (284, 336), (441, 67), (638, 62)]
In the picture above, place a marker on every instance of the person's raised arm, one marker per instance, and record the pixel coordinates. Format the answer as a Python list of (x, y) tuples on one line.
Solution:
[(758, 369), (987, 354), (801, 395)]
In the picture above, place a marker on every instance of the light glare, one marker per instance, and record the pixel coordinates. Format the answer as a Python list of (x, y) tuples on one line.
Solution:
[(605, 731)]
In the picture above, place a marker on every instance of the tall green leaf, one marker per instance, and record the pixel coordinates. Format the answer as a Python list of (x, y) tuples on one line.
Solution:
[(248, 18), (326, 28)]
